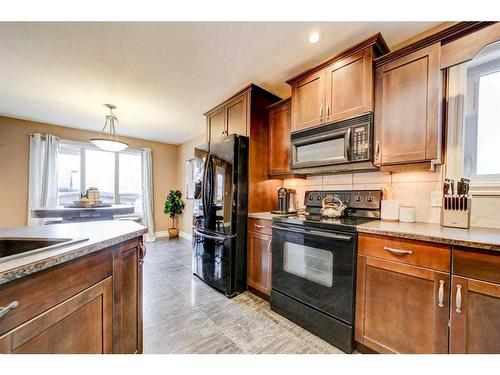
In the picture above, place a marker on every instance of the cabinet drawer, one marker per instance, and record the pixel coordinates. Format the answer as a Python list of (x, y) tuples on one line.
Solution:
[(260, 226), (45, 289), (477, 264), (417, 253)]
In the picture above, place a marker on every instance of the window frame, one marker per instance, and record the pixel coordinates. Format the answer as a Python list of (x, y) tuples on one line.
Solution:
[(89, 146), (460, 118)]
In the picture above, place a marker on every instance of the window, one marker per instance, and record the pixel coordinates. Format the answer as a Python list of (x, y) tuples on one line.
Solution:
[(118, 176), (474, 118)]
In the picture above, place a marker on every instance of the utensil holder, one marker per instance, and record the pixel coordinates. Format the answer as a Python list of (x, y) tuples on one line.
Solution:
[(455, 212)]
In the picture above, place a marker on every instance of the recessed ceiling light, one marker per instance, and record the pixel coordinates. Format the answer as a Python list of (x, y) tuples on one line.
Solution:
[(313, 38)]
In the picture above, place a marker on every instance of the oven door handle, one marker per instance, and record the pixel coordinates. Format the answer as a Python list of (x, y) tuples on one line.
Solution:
[(340, 237)]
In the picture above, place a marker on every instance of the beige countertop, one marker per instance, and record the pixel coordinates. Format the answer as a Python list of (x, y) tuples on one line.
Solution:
[(477, 237), (94, 236)]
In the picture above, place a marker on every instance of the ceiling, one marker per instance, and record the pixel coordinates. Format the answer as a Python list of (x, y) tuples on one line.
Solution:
[(161, 75)]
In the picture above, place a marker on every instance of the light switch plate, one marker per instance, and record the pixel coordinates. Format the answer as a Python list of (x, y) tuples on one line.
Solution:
[(436, 198)]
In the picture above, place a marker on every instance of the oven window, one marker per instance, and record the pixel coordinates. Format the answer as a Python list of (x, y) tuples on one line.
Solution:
[(332, 149), (310, 263)]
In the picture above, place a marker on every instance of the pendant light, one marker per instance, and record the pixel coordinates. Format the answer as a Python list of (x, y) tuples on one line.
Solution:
[(111, 142)]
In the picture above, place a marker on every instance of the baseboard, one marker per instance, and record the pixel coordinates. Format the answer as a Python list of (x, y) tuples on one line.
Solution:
[(185, 235), (162, 233)]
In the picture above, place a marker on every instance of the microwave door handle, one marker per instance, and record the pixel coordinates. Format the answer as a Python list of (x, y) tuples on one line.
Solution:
[(347, 145), (335, 236)]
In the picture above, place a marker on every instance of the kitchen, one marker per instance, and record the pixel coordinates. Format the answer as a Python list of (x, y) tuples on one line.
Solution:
[(347, 205)]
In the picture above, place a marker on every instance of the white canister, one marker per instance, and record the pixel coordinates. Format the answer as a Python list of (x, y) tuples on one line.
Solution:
[(407, 214), (389, 210)]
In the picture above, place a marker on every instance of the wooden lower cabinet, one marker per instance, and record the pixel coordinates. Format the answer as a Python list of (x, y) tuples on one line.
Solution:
[(259, 262), (401, 308), (91, 304), (80, 325)]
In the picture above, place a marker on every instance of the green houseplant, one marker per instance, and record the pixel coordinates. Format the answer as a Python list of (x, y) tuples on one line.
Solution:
[(174, 206)]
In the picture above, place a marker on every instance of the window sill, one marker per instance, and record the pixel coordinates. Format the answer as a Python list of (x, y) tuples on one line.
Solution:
[(485, 188)]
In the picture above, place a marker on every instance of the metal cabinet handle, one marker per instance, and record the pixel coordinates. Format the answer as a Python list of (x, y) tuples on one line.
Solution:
[(458, 299), (441, 294), (258, 226), (269, 247), (321, 112), (398, 251), (5, 310), (377, 150), (327, 111), (142, 253)]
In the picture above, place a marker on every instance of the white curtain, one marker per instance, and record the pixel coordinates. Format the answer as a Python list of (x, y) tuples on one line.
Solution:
[(42, 186), (147, 194)]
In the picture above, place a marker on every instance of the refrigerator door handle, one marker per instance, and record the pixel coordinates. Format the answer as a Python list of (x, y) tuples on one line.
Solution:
[(204, 186)]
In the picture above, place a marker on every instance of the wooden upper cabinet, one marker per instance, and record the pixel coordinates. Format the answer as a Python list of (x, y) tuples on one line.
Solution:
[(216, 123), (401, 308), (279, 139), (237, 116), (407, 108), (338, 88), (349, 86), (308, 101)]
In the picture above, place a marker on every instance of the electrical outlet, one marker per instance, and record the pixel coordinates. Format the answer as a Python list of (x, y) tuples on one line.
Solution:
[(436, 198)]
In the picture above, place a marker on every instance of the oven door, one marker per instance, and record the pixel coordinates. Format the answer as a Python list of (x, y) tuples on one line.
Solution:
[(316, 268), (332, 147)]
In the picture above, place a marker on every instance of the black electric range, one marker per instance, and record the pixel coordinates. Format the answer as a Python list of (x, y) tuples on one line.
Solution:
[(314, 264)]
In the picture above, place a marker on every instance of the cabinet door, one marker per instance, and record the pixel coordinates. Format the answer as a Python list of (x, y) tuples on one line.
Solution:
[(475, 318), (259, 262), (407, 108), (308, 101), (216, 124), (401, 308), (237, 116), (279, 140), (349, 86), (81, 324), (127, 314)]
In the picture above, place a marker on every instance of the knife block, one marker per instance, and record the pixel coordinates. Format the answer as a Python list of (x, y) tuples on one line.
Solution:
[(454, 214)]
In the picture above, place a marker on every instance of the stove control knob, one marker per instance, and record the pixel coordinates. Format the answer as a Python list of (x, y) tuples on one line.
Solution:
[(358, 198), (318, 198), (369, 198), (310, 197)]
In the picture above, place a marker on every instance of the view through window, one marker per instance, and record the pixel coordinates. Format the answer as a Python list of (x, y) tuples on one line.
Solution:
[(116, 175)]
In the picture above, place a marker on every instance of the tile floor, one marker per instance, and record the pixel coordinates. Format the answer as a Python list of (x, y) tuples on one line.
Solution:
[(184, 315)]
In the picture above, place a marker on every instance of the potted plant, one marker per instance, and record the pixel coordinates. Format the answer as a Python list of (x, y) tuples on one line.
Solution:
[(174, 206)]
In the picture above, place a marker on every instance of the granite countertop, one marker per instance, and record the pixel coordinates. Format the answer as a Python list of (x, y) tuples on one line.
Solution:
[(477, 237), (95, 235), (265, 215)]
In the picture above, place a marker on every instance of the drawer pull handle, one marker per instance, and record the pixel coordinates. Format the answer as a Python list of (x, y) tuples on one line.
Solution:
[(258, 226), (458, 299), (269, 247), (398, 251), (441, 294), (5, 310)]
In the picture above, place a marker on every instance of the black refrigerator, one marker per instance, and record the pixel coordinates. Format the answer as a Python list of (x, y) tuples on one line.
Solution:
[(220, 214)]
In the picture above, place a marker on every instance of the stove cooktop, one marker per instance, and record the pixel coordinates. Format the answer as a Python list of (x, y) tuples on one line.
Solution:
[(348, 223)]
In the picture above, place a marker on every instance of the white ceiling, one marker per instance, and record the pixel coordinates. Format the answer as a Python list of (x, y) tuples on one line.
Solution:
[(161, 75)]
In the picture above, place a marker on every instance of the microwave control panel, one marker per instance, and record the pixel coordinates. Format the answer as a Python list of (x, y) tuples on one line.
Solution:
[(360, 143)]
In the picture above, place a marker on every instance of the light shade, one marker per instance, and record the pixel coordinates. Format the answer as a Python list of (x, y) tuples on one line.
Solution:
[(109, 144)]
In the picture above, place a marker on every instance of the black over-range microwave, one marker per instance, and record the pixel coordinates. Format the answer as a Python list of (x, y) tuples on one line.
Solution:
[(343, 146)]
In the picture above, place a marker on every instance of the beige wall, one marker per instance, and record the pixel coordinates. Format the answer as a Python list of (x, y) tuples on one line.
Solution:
[(14, 147), (185, 152), (411, 188)]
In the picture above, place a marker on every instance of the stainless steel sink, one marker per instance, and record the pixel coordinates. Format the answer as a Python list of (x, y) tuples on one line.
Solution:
[(14, 247)]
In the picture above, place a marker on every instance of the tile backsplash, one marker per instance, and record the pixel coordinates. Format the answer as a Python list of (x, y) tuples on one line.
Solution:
[(411, 188)]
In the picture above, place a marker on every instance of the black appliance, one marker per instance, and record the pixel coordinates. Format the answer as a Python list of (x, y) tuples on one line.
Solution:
[(314, 264), (336, 147), (220, 226), (287, 201)]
